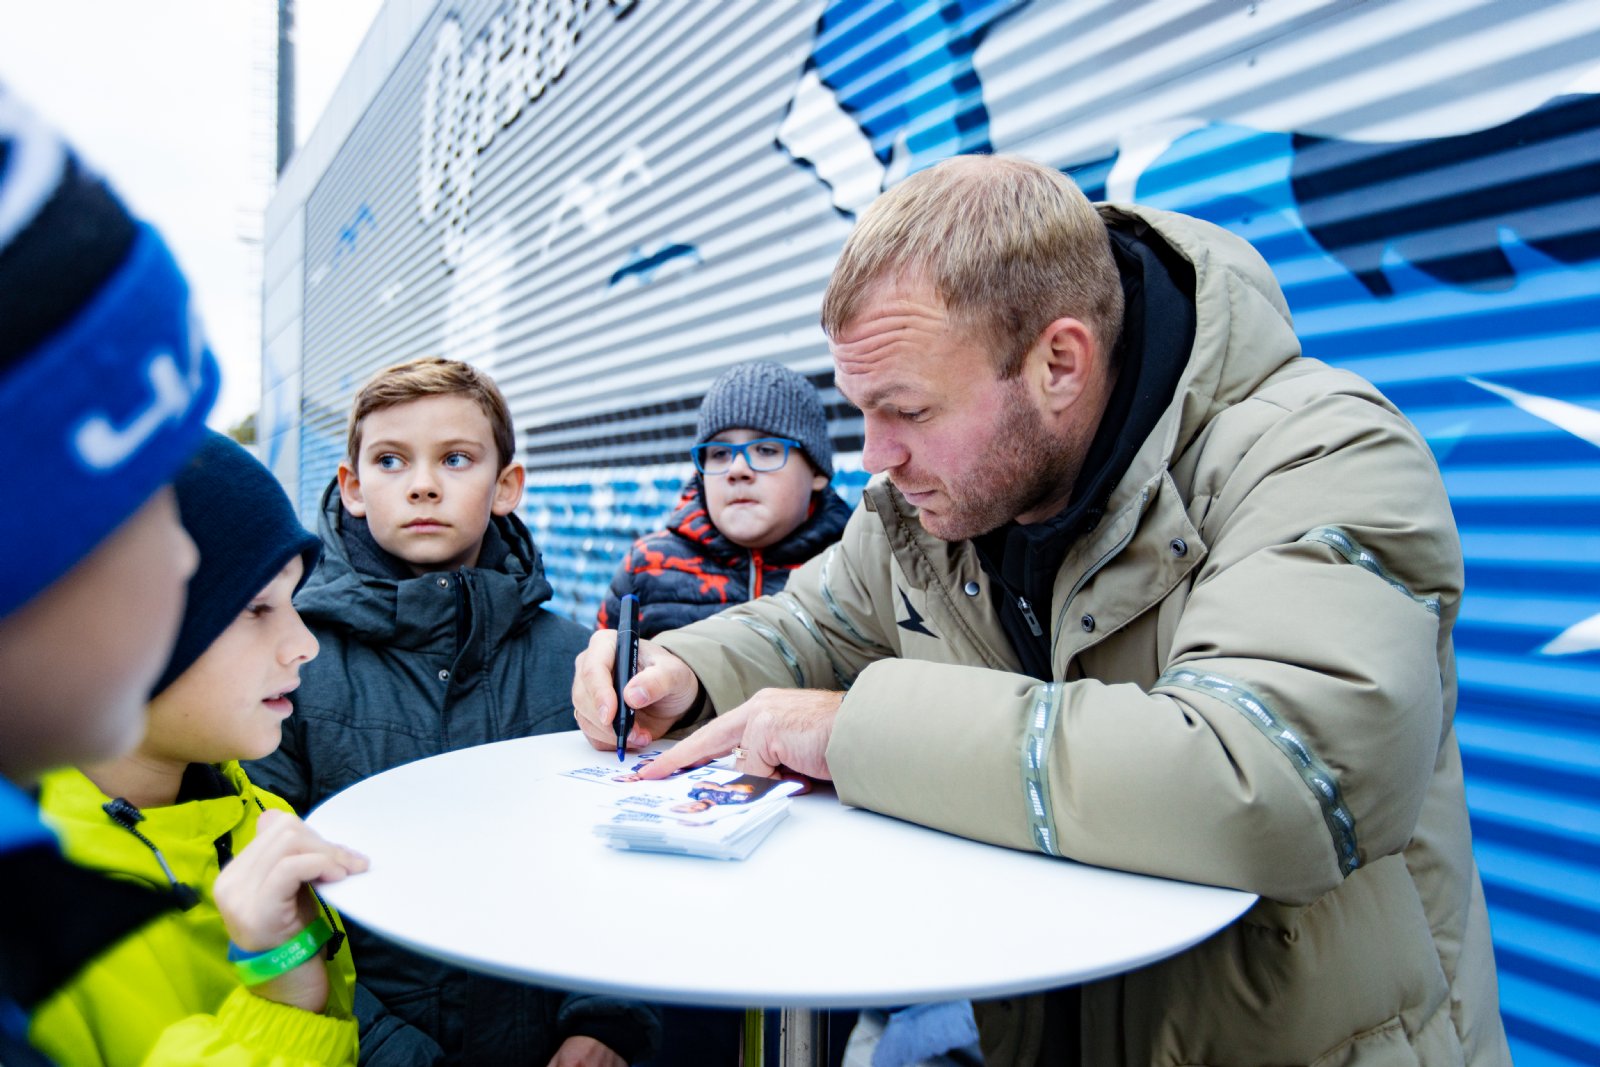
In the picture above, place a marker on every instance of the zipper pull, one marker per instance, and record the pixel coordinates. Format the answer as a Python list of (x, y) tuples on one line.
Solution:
[(126, 815), (1027, 613), (123, 813)]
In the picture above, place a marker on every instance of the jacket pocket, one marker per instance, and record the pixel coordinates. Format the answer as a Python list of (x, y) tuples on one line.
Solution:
[(1385, 1045), (419, 1008), (1325, 984)]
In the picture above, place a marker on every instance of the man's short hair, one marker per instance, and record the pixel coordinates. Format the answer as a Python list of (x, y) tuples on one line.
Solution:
[(432, 376), (1009, 245)]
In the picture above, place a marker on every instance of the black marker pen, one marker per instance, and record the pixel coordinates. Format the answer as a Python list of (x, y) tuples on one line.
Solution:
[(626, 665)]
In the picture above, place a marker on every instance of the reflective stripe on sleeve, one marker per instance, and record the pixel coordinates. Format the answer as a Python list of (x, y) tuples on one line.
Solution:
[(845, 623), (1353, 552), (1316, 775), (1036, 766), (792, 604), (782, 647)]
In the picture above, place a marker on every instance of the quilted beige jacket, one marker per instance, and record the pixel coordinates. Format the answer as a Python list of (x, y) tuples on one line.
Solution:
[(1254, 688)]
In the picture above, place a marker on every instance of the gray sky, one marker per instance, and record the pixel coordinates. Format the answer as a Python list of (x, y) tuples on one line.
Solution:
[(161, 97)]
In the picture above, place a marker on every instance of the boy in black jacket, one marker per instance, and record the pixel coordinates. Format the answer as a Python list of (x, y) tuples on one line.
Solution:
[(428, 608)]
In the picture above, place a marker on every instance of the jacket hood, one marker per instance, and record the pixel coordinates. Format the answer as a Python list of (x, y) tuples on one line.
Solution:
[(1244, 332), (355, 590), (691, 520)]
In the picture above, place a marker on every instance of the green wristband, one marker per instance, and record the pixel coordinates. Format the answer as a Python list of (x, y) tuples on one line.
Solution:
[(264, 966)]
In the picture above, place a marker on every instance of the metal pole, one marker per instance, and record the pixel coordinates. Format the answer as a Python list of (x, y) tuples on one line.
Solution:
[(753, 1054), (802, 1037), (285, 83)]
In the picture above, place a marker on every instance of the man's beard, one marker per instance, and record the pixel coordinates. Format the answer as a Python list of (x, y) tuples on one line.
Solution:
[(1024, 468)]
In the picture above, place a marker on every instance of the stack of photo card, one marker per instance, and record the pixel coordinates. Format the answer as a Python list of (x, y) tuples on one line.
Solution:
[(713, 811)]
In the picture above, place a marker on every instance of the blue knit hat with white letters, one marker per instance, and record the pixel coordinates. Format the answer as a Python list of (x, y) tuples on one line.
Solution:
[(105, 375)]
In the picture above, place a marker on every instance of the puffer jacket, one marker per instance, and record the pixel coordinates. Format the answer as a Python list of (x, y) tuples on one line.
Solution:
[(1253, 686), (410, 667), (167, 993), (58, 918), (689, 570)]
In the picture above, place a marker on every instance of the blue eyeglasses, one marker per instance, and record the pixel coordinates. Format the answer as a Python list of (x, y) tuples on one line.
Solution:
[(763, 454)]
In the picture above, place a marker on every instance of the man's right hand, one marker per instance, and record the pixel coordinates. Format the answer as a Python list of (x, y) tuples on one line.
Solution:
[(659, 694)]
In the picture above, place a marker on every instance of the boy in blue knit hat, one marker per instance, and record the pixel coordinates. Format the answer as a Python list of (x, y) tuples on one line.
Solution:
[(758, 506), (105, 381)]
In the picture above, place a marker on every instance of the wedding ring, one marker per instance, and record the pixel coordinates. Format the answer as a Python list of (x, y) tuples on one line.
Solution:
[(738, 753)]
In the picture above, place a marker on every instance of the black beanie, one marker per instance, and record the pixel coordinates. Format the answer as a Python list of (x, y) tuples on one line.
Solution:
[(241, 521)]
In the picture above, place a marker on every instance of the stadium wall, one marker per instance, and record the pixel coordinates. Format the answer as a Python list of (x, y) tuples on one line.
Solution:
[(606, 202)]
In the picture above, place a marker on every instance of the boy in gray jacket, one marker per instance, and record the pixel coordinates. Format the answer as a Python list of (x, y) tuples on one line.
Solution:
[(428, 606)]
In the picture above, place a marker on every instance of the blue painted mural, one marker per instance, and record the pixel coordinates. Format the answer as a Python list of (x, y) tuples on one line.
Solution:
[(1455, 262), (1459, 273)]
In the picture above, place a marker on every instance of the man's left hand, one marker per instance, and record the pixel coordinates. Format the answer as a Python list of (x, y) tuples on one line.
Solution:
[(785, 729), (578, 1051)]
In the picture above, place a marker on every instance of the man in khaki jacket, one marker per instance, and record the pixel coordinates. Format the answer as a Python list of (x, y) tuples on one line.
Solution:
[(1139, 585)]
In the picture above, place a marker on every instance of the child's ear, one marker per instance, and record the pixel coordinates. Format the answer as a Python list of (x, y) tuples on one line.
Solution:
[(350, 490), (819, 481), (508, 489)]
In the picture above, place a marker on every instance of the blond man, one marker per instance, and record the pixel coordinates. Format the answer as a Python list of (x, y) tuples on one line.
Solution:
[(1144, 587)]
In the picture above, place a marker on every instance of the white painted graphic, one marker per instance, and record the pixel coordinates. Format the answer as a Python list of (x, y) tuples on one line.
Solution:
[(1583, 423), (104, 446)]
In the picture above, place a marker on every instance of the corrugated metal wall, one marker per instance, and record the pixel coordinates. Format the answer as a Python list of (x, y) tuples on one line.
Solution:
[(643, 193)]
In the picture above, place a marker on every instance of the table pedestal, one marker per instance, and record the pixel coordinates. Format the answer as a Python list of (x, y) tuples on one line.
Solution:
[(802, 1038)]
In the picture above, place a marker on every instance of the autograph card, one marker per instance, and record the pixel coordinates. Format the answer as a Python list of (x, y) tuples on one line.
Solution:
[(707, 795), (714, 810), (622, 775)]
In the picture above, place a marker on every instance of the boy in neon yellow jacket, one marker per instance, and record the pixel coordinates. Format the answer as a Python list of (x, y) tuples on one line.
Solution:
[(254, 970)]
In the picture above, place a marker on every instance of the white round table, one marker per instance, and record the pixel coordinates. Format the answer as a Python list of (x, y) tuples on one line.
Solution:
[(486, 858)]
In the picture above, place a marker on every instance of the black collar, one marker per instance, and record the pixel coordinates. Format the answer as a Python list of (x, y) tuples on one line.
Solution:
[(369, 557)]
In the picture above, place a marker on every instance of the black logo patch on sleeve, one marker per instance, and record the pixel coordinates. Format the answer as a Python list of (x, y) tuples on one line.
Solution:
[(913, 621)]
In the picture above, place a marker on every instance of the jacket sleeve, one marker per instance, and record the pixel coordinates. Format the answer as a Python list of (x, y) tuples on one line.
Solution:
[(387, 1040), (1291, 734), (630, 1029), (246, 1031), (249, 1030), (831, 620)]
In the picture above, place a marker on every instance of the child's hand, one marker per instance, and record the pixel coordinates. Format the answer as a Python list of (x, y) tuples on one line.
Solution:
[(585, 1052), (659, 694), (264, 900)]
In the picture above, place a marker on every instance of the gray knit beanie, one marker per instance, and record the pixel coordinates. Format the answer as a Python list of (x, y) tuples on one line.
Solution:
[(768, 397)]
